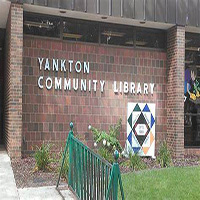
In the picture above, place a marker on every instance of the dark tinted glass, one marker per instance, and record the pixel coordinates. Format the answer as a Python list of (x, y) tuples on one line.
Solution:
[(192, 47), (192, 41), (83, 31), (94, 32), (192, 90), (41, 25), (150, 38), (117, 35)]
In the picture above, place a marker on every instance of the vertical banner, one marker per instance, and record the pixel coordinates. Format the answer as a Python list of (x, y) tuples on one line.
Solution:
[(141, 129)]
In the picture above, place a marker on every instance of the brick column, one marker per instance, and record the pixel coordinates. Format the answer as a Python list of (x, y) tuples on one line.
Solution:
[(13, 81), (175, 90)]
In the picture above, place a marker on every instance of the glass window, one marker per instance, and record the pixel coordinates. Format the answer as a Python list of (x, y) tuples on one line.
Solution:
[(117, 35), (192, 47), (192, 90), (41, 25), (150, 38), (94, 32), (80, 31)]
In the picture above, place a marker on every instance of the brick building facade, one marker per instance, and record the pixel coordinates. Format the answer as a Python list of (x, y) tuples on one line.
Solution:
[(13, 81), (175, 88), (46, 115), (32, 115)]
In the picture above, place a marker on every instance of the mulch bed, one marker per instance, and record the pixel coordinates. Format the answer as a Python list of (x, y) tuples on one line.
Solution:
[(187, 161), (153, 164), (25, 177)]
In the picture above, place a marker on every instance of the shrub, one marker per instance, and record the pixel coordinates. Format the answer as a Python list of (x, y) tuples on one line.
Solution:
[(164, 155), (42, 157), (109, 140), (107, 155), (135, 162)]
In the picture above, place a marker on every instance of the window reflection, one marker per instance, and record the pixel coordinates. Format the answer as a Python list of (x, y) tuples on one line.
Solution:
[(120, 35), (85, 32), (42, 25), (192, 90), (93, 32), (150, 38)]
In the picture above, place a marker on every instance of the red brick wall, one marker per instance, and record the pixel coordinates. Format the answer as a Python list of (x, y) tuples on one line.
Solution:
[(13, 81), (192, 151), (175, 90), (47, 113)]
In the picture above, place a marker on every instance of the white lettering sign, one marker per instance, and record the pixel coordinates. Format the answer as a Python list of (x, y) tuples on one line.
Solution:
[(68, 84)]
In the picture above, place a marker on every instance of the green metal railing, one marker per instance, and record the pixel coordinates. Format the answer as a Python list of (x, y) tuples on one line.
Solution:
[(90, 176)]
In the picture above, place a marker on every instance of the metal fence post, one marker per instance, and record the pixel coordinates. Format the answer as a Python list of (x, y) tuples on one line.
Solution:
[(65, 151), (70, 155), (115, 176)]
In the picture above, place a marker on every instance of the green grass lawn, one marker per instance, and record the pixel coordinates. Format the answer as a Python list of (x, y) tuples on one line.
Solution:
[(170, 183)]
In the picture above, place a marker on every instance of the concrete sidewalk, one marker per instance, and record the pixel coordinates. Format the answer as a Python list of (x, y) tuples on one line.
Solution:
[(9, 191), (47, 193)]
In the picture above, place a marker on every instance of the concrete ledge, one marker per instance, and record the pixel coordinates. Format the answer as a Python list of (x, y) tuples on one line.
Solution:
[(192, 151)]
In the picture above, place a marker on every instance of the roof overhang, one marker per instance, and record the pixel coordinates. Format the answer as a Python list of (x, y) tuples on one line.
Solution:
[(174, 12), (95, 17)]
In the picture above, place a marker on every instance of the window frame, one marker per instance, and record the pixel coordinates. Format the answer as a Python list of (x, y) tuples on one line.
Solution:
[(100, 25)]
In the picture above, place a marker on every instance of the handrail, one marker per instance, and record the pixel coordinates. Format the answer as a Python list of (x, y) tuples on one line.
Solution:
[(90, 176)]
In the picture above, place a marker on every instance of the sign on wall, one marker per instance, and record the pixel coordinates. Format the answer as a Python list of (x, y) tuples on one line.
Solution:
[(84, 84), (141, 129)]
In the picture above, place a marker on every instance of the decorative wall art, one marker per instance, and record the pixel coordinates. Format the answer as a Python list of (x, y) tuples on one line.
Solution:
[(191, 105), (140, 129), (192, 84)]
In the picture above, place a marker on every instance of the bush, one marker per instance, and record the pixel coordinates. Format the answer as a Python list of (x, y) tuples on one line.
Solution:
[(107, 155), (42, 157), (135, 162), (164, 155), (108, 140)]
